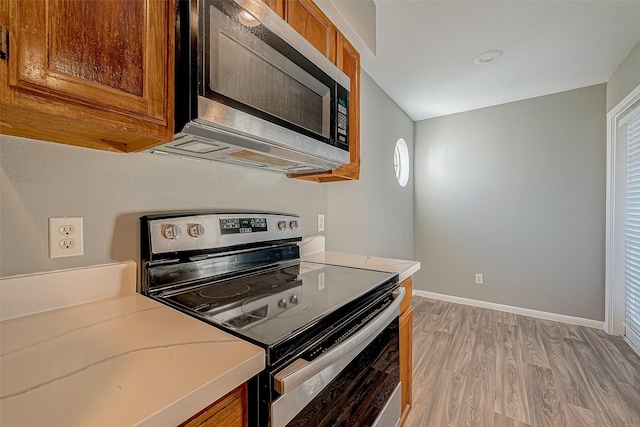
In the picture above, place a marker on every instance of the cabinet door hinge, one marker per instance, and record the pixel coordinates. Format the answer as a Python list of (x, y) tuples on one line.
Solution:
[(4, 42)]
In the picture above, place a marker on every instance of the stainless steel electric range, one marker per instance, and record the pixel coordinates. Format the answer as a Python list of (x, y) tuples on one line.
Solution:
[(330, 333)]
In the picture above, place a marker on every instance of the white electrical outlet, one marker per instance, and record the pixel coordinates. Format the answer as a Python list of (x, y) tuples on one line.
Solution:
[(479, 279), (321, 281), (65, 237), (320, 222)]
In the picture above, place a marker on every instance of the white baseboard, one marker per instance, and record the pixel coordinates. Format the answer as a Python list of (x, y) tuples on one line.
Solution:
[(596, 324)]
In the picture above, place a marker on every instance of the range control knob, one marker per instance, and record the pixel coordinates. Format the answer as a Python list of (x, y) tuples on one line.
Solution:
[(293, 224), (282, 225), (283, 303), (196, 230), (294, 299), (171, 231)]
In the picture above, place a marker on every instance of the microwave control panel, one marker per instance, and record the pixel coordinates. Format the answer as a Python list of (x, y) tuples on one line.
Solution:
[(342, 123), (342, 114)]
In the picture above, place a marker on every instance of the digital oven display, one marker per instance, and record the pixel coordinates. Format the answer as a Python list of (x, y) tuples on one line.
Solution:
[(242, 225)]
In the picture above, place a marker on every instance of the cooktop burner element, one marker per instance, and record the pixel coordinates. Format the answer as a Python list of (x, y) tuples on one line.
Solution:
[(222, 291), (212, 298)]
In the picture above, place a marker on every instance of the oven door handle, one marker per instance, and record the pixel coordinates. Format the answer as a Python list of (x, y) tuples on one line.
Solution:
[(301, 370)]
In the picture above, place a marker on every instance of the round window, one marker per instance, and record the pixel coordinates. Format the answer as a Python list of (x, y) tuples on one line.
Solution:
[(401, 162)]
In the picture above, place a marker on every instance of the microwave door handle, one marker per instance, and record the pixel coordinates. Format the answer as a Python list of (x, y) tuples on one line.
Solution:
[(301, 370)]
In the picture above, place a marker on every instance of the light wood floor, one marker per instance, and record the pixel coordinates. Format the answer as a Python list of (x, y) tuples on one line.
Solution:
[(482, 368)]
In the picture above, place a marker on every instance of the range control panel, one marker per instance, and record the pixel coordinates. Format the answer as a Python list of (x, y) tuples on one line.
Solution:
[(242, 225), (210, 231)]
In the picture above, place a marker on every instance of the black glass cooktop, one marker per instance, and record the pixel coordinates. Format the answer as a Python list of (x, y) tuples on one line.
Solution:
[(214, 298), (271, 306)]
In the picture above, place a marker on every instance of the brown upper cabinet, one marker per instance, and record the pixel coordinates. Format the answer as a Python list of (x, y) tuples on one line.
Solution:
[(100, 74), (309, 21), (97, 74)]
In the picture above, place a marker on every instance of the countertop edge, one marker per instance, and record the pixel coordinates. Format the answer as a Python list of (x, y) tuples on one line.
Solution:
[(409, 272), (188, 406), (404, 268)]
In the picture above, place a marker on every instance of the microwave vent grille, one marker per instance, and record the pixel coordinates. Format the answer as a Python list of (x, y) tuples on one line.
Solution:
[(261, 158), (198, 146)]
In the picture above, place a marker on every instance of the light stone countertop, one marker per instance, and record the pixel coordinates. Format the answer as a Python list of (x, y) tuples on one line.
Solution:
[(404, 268), (81, 348), (120, 361)]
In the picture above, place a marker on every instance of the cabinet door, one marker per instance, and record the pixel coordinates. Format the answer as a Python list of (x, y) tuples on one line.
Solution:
[(277, 5), (228, 411), (105, 63), (309, 21), (406, 347), (349, 63), (406, 361)]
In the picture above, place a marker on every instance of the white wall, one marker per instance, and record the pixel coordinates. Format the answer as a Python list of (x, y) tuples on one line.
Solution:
[(625, 79), (515, 192), (374, 216), (111, 191)]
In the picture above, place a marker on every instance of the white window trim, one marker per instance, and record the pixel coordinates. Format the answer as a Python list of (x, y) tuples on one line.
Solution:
[(614, 289), (402, 162)]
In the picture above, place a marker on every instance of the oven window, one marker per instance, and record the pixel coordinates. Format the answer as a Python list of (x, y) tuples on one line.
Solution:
[(358, 395)]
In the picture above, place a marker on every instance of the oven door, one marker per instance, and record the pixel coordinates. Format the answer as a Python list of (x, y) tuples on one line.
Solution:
[(357, 382)]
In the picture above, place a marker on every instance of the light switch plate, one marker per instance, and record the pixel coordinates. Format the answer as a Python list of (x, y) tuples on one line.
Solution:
[(65, 237)]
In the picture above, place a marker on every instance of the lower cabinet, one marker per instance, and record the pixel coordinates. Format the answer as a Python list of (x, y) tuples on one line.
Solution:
[(229, 411), (406, 349)]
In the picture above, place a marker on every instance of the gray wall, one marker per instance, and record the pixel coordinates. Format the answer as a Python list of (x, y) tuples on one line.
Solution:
[(111, 191), (515, 192), (625, 79), (356, 20), (374, 216)]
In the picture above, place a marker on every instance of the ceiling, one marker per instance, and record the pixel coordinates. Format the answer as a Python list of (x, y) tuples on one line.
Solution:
[(425, 50)]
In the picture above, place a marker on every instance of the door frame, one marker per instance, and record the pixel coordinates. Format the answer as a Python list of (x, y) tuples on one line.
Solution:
[(614, 289)]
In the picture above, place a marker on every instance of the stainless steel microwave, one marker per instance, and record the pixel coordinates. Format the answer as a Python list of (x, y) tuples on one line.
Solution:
[(251, 91)]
